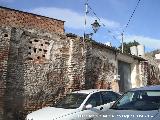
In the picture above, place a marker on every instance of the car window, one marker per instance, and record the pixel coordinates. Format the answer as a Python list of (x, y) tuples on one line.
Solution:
[(95, 100), (109, 96), (139, 100), (118, 95), (71, 101), (128, 98)]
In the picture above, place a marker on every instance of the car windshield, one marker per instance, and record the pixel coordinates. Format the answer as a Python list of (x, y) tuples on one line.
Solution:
[(138, 100), (71, 101)]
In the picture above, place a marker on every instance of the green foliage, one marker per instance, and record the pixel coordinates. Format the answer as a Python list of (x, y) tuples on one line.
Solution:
[(126, 46)]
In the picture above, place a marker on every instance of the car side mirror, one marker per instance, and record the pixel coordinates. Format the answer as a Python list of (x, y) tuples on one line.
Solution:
[(111, 103), (89, 106)]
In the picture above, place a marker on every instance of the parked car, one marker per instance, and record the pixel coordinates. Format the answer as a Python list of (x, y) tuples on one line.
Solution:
[(79, 105), (136, 104)]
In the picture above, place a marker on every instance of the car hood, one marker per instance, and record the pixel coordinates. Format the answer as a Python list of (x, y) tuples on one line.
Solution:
[(50, 113), (128, 115)]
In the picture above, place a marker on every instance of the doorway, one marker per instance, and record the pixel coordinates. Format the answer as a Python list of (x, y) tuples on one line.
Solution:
[(124, 70)]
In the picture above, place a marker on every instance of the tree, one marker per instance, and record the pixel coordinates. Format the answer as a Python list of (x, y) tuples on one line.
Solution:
[(126, 46)]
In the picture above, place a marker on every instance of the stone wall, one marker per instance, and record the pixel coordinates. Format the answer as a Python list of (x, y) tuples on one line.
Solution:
[(15, 75), (101, 66), (152, 69), (29, 80), (19, 19), (4, 50), (48, 80), (153, 74), (38, 63)]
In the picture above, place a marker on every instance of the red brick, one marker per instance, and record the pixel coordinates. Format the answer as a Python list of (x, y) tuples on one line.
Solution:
[(15, 18)]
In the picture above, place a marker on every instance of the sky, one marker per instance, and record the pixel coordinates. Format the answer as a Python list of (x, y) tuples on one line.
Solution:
[(113, 15)]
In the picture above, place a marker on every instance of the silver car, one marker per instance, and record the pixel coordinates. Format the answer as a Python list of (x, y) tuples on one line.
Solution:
[(136, 104), (79, 105)]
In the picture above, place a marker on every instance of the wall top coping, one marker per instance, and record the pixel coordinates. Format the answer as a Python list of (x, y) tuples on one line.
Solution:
[(114, 49)]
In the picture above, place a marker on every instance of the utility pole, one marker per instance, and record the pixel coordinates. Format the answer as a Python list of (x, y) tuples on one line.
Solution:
[(122, 43), (85, 23), (85, 17)]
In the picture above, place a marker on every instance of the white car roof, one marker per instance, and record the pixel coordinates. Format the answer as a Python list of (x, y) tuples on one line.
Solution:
[(151, 87), (90, 91)]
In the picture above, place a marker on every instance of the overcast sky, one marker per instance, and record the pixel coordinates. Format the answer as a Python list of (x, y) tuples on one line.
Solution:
[(144, 26)]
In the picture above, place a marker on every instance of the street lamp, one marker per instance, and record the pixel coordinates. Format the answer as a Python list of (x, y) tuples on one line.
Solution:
[(95, 26)]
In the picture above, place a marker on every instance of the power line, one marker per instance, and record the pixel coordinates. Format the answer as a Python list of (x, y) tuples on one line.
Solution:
[(131, 16), (122, 34), (109, 31)]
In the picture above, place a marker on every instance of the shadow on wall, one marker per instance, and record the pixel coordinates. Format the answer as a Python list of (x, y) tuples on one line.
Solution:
[(14, 93), (93, 70)]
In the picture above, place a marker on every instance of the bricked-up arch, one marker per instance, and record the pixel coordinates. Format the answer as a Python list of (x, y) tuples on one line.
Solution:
[(20, 19)]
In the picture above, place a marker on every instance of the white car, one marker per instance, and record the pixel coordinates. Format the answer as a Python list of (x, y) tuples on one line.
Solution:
[(79, 105), (136, 104)]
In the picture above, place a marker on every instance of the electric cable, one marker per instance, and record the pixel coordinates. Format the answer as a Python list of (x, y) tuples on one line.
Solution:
[(131, 16), (109, 31)]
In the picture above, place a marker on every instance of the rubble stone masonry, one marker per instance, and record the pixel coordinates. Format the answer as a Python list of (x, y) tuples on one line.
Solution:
[(34, 54), (29, 78), (101, 66), (4, 50)]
